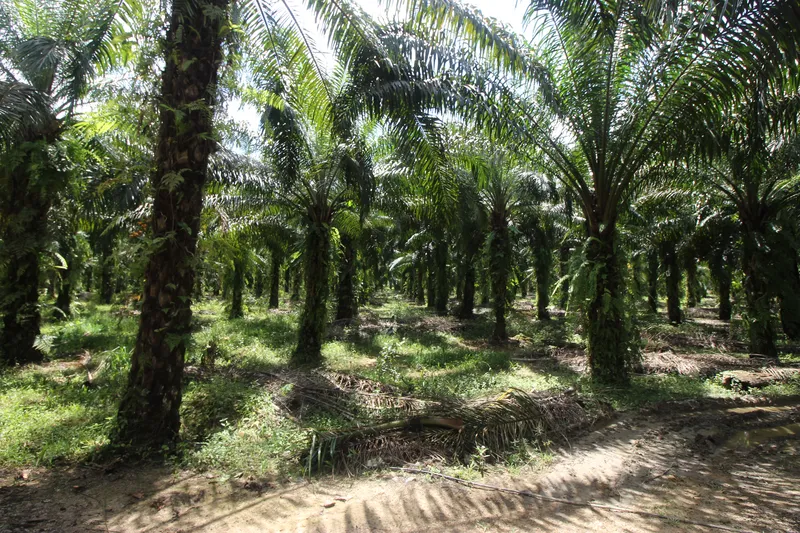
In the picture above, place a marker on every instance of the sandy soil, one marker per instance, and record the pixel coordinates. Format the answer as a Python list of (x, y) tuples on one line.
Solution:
[(697, 466)]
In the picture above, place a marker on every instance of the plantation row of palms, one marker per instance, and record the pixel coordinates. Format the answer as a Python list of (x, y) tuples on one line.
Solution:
[(438, 155)]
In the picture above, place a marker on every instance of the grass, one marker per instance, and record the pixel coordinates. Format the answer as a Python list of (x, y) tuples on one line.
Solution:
[(48, 416)]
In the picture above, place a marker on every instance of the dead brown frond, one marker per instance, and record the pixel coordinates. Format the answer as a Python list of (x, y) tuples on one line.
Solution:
[(454, 431)]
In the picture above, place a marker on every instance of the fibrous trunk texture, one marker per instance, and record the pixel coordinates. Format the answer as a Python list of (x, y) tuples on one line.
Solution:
[(442, 286), (466, 309), (608, 343), (237, 288), (420, 288), (692, 285), (315, 308), (64, 298), (544, 264), (258, 284), (756, 287), (672, 271), (500, 266), (25, 212), (275, 279), (346, 306), (149, 411), (106, 271), (652, 281), (297, 284), (430, 279), (789, 297)]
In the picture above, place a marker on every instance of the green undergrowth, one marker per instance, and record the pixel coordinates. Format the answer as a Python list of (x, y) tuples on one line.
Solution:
[(49, 414)]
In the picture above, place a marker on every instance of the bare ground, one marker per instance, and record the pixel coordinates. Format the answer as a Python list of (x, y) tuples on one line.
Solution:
[(697, 466)]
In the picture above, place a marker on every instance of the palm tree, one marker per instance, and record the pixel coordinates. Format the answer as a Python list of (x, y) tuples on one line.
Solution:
[(543, 222), (666, 220), (613, 80), (499, 198), (756, 158), (49, 54), (148, 413)]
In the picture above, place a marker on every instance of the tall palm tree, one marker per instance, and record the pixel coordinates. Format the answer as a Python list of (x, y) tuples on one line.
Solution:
[(499, 196), (755, 160), (614, 79), (49, 53), (148, 413)]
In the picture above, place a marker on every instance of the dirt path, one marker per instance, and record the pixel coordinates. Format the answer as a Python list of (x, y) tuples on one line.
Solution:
[(696, 466)]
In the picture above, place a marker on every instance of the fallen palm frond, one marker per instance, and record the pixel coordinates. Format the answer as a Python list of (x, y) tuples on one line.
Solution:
[(454, 431), (351, 397), (692, 364)]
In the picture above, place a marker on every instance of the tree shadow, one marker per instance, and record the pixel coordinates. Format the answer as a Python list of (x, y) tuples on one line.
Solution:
[(661, 464)]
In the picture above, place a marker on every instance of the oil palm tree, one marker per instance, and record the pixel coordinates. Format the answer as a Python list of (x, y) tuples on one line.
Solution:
[(148, 413), (615, 79), (49, 54), (754, 153)]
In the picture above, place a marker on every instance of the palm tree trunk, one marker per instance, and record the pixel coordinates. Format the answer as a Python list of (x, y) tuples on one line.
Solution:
[(756, 287), (563, 263), (652, 281), (275, 279), (149, 411), (442, 286), (52, 280), (297, 284), (258, 284), (721, 275), (64, 298), (25, 212), (669, 257), (227, 278), (544, 264), (198, 283), (460, 280), (420, 270), (500, 266), (608, 335), (315, 308), (21, 317), (486, 287), (88, 280), (692, 286), (106, 271), (789, 298), (430, 279), (466, 309), (346, 307), (237, 287)]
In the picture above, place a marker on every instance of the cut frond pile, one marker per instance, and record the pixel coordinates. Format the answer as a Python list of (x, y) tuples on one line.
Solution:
[(455, 431)]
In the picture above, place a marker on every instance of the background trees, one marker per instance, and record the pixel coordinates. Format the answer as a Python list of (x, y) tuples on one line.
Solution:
[(438, 155)]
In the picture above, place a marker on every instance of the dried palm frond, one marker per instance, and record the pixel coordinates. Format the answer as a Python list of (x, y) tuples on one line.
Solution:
[(454, 431)]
